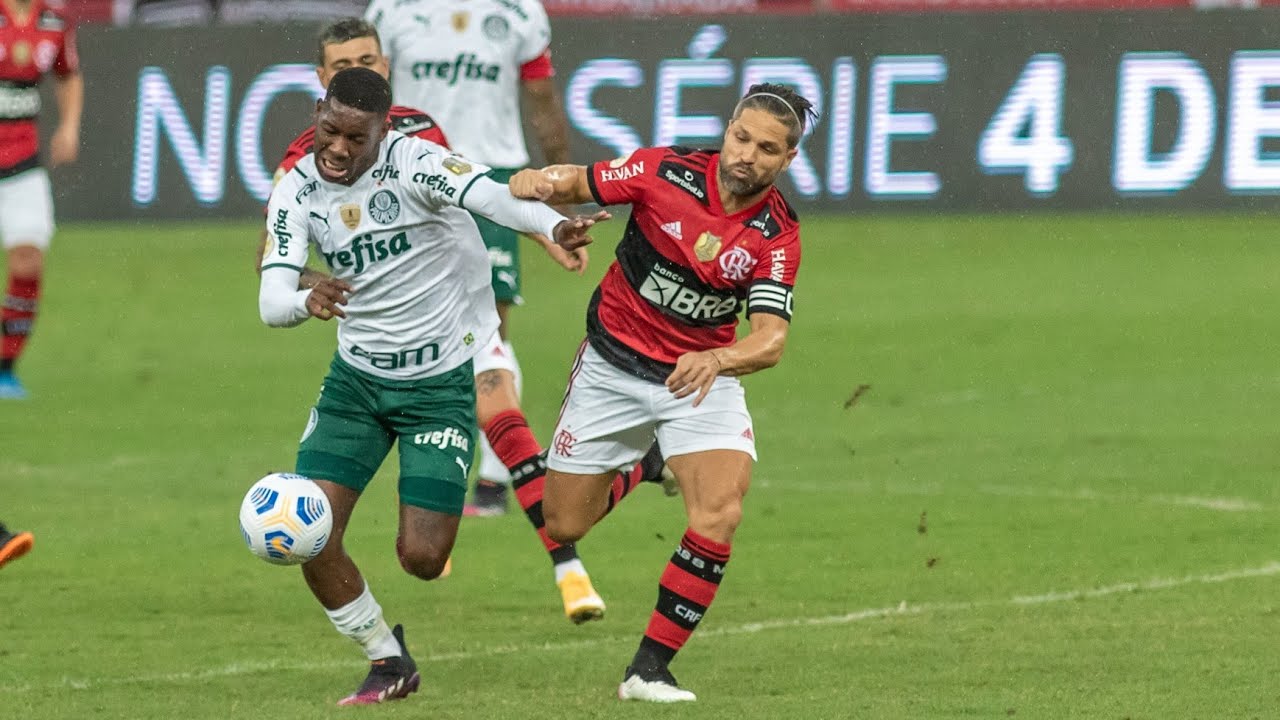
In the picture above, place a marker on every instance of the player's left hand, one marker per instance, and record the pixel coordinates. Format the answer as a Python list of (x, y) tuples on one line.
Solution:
[(64, 146), (571, 260), (695, 372), (571, 233)]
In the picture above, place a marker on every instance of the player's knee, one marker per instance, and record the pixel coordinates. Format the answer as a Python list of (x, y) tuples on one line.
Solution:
[(718, 522), (421, 560), (563, 527), (25, 261)]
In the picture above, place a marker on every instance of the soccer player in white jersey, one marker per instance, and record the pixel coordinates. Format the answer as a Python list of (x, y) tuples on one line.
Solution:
[(467, 63), (410, 289)]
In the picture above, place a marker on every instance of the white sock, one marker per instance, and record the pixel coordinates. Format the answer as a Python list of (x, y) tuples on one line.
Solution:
[(515, 367), (568, 566), (491, 468), (361, 620)]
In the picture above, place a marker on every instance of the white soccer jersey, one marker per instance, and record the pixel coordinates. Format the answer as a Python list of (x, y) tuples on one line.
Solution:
[(460, 61), (423, 302)]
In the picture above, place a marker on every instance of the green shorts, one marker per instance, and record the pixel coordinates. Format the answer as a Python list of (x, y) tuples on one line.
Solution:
[(359, 416), (504, 250)]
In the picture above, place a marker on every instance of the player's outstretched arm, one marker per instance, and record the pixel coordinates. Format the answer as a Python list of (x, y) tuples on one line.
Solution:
[(64, 146), (554, 184), (758, 350), (495, 201)]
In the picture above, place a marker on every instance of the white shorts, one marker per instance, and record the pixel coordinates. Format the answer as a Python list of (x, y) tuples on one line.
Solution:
[(494, 356), (610, 419), (26, 209)]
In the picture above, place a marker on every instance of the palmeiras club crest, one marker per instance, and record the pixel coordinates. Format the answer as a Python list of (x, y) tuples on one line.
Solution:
[(384, 207)]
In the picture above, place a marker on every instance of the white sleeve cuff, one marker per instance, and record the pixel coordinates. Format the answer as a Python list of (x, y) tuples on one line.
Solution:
[(494, 201), (280, 302)]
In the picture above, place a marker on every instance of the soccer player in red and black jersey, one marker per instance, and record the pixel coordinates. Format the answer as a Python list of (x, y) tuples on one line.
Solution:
[(708, 234), (36, 38)]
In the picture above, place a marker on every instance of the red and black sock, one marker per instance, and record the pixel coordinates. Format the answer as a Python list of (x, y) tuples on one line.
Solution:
[(514, 444), (686, 590), (17, 315)]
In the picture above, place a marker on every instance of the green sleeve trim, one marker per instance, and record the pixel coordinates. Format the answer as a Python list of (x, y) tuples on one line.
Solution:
[(282, 265), (463, 196)]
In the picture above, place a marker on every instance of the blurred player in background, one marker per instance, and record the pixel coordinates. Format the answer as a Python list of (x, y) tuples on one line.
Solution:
[(468, 62), (36, 38), (14, 544), (411, 291), (708, 231)]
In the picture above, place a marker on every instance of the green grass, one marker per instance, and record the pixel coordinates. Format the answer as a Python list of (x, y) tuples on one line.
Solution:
[(1061, 404)]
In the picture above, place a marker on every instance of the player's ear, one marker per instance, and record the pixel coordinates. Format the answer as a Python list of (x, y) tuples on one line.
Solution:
[(791, 155)]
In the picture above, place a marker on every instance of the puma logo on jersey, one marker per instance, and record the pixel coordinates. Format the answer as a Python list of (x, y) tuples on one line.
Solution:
[(672, 229), (464, 67)]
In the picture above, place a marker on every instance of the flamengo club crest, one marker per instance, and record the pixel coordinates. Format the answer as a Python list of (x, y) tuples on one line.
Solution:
[(736, 264), (384, 208), (707, 247), (350, 214)]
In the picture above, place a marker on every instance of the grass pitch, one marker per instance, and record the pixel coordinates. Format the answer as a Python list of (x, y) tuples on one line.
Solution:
[(1009, 467)]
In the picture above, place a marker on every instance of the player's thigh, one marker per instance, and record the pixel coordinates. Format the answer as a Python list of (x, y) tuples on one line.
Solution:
[(435, 423), (495, 370), (344, 441), (713, 484), (606, 422), (26, 210)]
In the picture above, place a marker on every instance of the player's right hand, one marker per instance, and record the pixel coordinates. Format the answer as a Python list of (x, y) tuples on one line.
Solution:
[(571, 233), (326, 298), (531, 184)]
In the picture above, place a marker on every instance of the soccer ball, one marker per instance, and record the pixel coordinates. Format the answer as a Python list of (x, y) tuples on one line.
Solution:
[(285, 519)]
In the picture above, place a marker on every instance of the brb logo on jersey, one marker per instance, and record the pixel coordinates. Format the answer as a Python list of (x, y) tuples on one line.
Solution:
[(667, 289), (384, 207)]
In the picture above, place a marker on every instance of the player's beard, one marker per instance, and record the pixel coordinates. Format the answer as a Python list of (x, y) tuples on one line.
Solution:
[(741, 186)]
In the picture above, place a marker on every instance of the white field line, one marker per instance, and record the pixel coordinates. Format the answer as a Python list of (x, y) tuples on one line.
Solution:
[(903, 609), (1217, 504)]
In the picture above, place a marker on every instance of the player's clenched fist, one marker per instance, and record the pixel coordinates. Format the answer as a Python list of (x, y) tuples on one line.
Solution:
[(531, 184), (326, 298)]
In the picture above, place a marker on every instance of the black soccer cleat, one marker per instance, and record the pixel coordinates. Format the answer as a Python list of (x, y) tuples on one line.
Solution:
[(653, 469), (393, 678)]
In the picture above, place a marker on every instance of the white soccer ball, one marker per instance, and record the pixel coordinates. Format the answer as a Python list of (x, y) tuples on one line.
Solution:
[(286, 519)]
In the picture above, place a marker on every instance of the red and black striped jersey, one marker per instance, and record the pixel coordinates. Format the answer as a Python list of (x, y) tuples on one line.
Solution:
[(31, 45), (409, 121), (684, 268)]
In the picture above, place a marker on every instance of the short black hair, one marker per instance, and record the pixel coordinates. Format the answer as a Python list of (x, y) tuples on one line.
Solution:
[(362, 89), (344, 30), (790, 107)]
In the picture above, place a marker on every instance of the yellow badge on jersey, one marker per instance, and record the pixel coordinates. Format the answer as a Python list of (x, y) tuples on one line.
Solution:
[(707, 247), (456, 166), (350, 214), (21, 53), (460, 20), (269, 248)]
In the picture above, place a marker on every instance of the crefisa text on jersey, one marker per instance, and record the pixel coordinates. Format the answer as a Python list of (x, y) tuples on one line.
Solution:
[(365, 247)]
